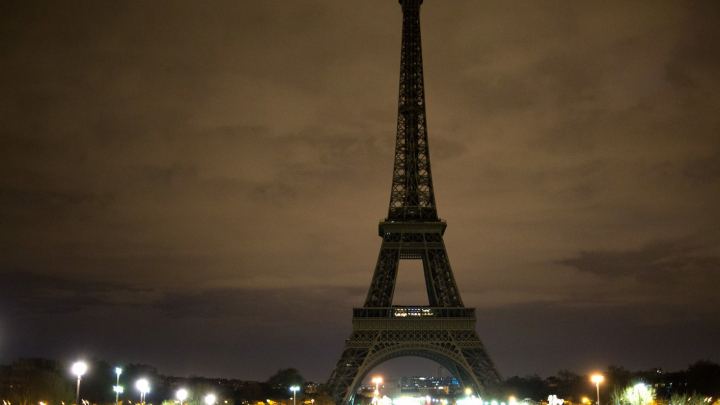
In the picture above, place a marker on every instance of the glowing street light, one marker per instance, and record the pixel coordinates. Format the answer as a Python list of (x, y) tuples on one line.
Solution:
[(209, 399), (468, 391), (117, 388), (597, 379), (182, 395), (79, 368), (143, 386), (294, 389), (377, 381)]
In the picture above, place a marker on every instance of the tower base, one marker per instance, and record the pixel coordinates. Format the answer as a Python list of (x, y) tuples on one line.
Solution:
[(442, 334)]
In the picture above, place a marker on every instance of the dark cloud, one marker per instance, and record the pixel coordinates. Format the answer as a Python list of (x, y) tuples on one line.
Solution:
[(706, 170), (665, 261), (665, 281), (25, 294), (51, 200)]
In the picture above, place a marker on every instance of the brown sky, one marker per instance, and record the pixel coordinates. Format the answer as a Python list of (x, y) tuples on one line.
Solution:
[(197, 185)]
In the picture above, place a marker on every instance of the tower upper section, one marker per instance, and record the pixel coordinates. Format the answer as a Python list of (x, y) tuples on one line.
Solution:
[(412, 197)]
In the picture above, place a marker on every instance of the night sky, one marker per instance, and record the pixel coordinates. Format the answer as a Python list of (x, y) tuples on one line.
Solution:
[(197, 185)]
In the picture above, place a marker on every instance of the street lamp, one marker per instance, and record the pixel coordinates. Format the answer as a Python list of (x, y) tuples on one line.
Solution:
[(468, 391), (294, 389), (377, 381), (79, 368), (118, 388), (209, 399), (597, 379), (144, 387), (181, 394)]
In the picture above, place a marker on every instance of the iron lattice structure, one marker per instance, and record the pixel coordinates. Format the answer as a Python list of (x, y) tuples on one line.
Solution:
[(444, 331)]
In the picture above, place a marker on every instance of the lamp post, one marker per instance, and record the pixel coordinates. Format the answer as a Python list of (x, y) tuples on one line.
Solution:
[(377, 381), (118, 389), (144, 387), (209, 399), (181, 394), (294, 389), (597, 379), (79, 368)]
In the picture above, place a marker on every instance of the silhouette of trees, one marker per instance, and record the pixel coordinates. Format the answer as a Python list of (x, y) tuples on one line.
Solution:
[(285, 378), (29, 387)]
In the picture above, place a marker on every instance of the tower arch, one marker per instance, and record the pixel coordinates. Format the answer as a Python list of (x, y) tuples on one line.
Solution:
[(451, 360)]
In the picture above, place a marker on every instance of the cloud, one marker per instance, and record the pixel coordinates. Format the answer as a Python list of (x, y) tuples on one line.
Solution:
[(28, 294), (704, 169), (654, 262), (31, 294), (667, 280)]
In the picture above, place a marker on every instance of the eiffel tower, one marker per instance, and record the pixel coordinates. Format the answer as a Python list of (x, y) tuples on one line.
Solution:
[(444, 331)]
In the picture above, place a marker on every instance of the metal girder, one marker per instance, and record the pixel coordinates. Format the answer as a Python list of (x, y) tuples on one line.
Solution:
[(411, 197), (408, 243)]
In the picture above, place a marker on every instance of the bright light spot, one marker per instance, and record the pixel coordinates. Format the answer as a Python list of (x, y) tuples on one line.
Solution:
[(470, 401), (118, 370), (385, 401), (79, 368), (209, 399), (597, 378), (143, 385), (181, 394)]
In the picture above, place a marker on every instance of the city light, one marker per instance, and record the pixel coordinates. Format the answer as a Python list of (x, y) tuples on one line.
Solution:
[(597, 379), (143, 386), (79, 368), (470, 400), (294, 389), (209, 399), (118, 388), (377, 381), (181, 395)]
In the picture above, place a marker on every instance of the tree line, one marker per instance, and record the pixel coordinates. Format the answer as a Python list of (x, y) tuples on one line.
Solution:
[(31, 381), (701, 378)]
